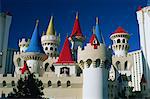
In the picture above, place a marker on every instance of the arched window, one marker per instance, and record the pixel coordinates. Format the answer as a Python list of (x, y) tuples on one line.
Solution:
[(125, 65), (13, 83), (51, 48), (55, 49), (4, 83), (89, 61), (49, 83), (118, 41), (58, 83), (123, 41), (81, 63), (46, 65), (19, 62), (46, 48), (97, 62), (118, 65), (52, 68), (68, 83)]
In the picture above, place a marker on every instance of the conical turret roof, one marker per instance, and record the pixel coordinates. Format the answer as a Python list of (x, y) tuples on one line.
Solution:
[(76, 31), (51, 29), (119, 30), (35, 42), (65, 55), (97, 31)]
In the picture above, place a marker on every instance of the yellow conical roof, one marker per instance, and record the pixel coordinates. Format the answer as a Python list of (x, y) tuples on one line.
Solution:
[(51, 29)]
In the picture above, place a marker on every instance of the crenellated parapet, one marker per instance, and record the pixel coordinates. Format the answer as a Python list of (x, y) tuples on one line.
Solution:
[(23, 44), (90, 57)]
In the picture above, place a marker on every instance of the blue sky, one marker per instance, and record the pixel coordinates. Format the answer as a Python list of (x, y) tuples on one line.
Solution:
[(111, 13)]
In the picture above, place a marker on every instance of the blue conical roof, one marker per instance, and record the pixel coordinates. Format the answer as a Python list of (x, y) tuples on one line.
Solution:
[(35, 42), (97, 32)]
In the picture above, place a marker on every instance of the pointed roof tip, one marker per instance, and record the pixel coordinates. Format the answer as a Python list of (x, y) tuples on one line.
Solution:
[(51, 29), (35, 44), (97, 20), (76, 31), (65, 55), (37, 22), (93, 30), (77, 15), (119, 30)]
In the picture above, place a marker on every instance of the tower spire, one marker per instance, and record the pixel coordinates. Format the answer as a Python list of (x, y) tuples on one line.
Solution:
[(98, 32), (77, 15), (51, 29)]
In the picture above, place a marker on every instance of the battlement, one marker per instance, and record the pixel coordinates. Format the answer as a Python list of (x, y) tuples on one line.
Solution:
[(49, 79), (90, 53), (23, 42)]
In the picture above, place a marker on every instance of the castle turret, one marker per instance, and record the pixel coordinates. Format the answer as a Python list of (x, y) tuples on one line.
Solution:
[(76, 38), (92, 59), (120, 42), (50, 41), (23, 44), (65, 64), (34, 55)]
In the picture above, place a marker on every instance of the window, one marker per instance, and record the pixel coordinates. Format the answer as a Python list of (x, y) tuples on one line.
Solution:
[(125, 65), (49, 83), (58, 83), (64, 70), (55, 49), (118, 65), (52, 68), (46, 48), (68, 83), (89, 62), (46, 65), (97, 62), (118, 41), (4, 83), (51, 48), (13, 83), (123, 41)]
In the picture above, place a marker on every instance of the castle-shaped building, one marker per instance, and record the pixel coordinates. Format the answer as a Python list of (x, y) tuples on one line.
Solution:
[(92, 71)]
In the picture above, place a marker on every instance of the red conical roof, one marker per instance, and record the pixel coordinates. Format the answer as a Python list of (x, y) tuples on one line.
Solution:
[(93, 37), (119, 30), (143, 80), (94, 41), (24, 68), (65, 55), (76, 28)]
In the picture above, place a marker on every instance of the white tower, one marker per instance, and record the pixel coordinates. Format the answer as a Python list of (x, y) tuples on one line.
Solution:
[(50, 41), (120, 42), (143, 17), (93, 61), (23, 45), (5, 22), (34, 55)]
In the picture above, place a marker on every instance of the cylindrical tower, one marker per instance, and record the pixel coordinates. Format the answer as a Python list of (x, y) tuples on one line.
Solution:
[(120, 42), (93, 61), (50, 41), (23, 44), (34, 55)]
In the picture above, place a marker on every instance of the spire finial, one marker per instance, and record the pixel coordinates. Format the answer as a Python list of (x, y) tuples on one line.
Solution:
[(37, 22), (97, 20), (93, 30), (77, 15)]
